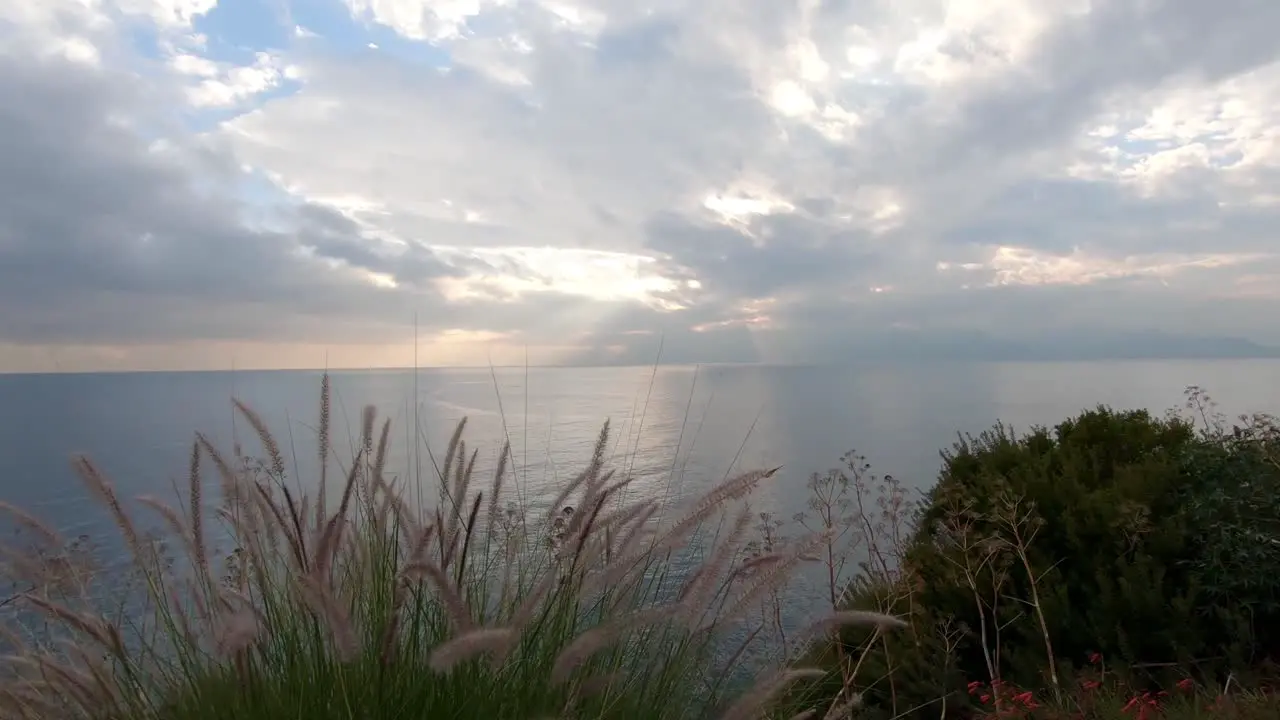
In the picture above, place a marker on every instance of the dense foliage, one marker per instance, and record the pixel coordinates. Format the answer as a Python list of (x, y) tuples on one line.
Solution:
[(1148, 545)]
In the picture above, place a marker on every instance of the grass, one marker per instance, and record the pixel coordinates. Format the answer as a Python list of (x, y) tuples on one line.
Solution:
[(374, 609)]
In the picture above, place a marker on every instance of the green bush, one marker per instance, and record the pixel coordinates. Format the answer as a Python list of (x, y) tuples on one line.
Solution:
[(1232, 502), (1120, 536)]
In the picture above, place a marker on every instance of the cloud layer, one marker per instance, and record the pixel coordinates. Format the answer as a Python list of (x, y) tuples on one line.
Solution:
[(190, 183)]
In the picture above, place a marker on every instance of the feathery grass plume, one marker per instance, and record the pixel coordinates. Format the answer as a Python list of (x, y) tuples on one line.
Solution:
[(846, 618), (597, 460), (90, 627), (171, 517), (628, 557), (470, 472), (328, 545), (269, 505), (106, 493), (48, 536), (409, 527), (337, 620), (697, 591), (418, 552), (755, 703), (237, 632), (585, 532), (496, 489), (76, 683), (592, 480), (265, 437), (774, 576), (323, 447), (195, 491), (380, 458), (617, 527), (368, 415), (232, 491), (467, 645), (453, 602), (558, 502), (601, 636), (753, 565), (451, 452), (731, 489), (633, 532)]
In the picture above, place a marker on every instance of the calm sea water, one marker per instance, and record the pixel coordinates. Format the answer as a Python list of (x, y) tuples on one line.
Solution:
[(677, 429)]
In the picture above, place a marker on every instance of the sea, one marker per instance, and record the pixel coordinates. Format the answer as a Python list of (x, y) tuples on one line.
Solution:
[(677, 430)]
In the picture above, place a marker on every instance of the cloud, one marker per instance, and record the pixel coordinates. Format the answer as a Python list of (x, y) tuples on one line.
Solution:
[(758, 180)]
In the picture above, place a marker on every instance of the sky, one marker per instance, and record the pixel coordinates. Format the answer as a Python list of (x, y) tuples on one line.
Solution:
[(208, 184)]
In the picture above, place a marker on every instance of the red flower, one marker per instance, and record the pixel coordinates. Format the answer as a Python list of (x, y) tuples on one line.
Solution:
[(1095, 658), (1146, 705), (1091, 684), (984, 699), (1186, 684), (973, 687)]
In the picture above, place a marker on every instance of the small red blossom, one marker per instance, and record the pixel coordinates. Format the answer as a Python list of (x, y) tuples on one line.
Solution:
[(1143, 706), (1091, 684), (1186, 684), (984, 699), (974, 687), (1027, 699), (1095, 658)]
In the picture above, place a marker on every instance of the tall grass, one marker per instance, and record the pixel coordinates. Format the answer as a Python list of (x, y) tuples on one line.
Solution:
[(378, 609)]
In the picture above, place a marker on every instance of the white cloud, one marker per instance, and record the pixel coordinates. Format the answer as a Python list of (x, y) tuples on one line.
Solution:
[(167, 14), (224, 85), (423, 19), (592, 275), (568, 168), (1026, 266)]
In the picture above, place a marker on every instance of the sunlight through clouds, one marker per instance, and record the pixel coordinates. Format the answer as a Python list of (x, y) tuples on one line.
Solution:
[(589, 175)]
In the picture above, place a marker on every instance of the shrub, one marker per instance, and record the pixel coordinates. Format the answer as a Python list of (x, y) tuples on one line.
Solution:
[(1103, 535), (1233, 517)]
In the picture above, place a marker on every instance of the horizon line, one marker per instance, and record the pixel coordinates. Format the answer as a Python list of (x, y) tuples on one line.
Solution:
[(648, 366)]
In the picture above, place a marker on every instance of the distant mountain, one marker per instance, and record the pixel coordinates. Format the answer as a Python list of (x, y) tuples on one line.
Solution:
[(1064, 346), (897, 345)]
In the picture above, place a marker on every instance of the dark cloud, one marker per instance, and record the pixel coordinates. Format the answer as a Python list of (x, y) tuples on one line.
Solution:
[(772, 254), (1118, 47), (104, 238), (1059, 215)]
